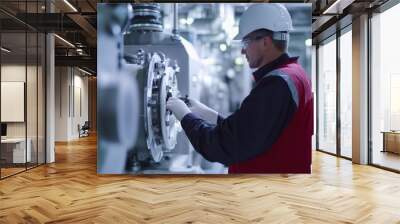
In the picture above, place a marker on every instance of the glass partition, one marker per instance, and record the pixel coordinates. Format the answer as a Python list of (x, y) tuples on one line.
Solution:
[(22, 89), (13, 105)]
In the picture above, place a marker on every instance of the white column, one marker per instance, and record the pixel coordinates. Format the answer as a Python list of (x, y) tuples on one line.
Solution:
[(50, 93), (50, 110)]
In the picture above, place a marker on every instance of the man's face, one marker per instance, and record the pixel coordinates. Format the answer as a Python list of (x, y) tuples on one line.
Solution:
[(254, 50)]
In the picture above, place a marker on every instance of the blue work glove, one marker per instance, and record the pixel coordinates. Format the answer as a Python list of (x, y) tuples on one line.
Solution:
[(178, 107), (203, 112)]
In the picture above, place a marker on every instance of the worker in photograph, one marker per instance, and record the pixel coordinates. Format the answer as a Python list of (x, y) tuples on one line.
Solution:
[(271, 131)]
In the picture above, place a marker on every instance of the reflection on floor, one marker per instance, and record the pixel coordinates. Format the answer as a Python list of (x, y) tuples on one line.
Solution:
[(70, 191), (10, 169), (387, 159)]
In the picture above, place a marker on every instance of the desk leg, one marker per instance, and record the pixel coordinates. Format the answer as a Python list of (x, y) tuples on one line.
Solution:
[(384, 142)]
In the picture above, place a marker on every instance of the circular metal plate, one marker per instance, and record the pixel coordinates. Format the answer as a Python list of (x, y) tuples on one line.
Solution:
[(155, 149), (161, 126)]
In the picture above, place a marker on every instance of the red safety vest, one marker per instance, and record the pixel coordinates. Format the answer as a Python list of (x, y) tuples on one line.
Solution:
[(291, 153)]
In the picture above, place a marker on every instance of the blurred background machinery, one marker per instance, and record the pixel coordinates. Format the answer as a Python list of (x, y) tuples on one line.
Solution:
[(177, 50), (117, 91)]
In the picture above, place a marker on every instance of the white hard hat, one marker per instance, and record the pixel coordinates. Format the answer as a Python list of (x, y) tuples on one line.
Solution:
[(271, 16)]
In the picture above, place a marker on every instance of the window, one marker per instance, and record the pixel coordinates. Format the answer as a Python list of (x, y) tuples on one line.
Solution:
[(385, 89), (346, 93), (327, 96)]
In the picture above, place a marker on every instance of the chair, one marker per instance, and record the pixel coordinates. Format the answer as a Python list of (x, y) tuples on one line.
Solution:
[(84, 130)]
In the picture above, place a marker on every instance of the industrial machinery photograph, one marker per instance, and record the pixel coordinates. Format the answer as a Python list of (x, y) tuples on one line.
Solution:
[(150, 53)]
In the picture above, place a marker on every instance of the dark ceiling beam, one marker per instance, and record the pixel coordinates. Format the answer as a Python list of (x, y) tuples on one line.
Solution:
[(16, 18), (44, 22), (65, 51), (89, 70), (337, 7), (80, 20), (91, 5), (84, 24), (81, 61)]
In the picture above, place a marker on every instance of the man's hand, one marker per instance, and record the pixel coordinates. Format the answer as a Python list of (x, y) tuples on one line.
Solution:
[(203, 112), (178, 107)]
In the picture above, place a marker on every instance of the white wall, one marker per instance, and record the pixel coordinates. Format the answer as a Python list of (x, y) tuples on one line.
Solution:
[(12, 101), (82, 82), (71, 93), (17, 73), (61, 103), (14, 73), (33, 126)]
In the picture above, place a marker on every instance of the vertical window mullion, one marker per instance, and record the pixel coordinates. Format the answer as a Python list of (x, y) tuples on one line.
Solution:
[(317, 96), (26, 86), (338, 92)]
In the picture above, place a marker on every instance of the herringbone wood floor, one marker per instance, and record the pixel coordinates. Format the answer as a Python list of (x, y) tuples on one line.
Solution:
[(70, 191)]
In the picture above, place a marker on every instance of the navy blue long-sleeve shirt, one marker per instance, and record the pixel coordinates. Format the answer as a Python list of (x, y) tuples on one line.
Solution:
[(251, 129)]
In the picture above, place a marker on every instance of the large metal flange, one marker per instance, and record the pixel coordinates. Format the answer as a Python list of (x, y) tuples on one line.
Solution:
[(161, 126)]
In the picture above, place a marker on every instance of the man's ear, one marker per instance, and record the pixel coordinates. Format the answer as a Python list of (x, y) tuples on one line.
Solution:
[(267, 41)]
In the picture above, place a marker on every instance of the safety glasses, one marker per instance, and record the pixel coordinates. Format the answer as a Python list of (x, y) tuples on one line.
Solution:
[(246, 41)]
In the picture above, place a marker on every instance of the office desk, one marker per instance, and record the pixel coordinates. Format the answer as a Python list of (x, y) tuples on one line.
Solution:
[(13, 150), (391, 141)]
